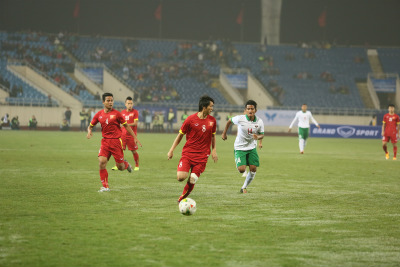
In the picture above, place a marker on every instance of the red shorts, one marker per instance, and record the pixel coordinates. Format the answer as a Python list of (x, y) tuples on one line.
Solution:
[(112, 147), (186, 164), (392, 138), (130, 142)]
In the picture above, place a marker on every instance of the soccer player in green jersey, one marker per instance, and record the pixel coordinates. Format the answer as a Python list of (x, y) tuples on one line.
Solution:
[(250, 129), (303, 116)]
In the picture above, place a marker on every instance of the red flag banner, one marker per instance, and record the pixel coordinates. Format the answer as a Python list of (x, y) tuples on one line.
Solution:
[(158, 12), (239, 19), (322, 19), (76, 9)]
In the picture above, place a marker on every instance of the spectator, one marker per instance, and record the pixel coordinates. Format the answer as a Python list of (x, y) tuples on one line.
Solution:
[(15, 123), (49, 101), (32, 123), (83, 117), (373, 121), (68, 115), (171, 118), (64, 125), (6, 120), (327, 76), (218, 119), (147, 120), (184, 116), (91, 115), (229, 117)]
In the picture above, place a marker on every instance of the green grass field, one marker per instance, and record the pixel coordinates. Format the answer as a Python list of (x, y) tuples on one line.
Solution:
[(336, 205)]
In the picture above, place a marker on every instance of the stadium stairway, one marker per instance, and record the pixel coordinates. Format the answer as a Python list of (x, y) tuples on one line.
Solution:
[(365, 95), (39, 81), (215, 83), (374, 61)]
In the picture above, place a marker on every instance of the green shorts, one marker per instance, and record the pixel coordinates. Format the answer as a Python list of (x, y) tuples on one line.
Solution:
[(246, 157), (303, 133)]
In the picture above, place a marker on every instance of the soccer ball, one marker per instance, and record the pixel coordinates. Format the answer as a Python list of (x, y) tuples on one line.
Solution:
[(187, 206)]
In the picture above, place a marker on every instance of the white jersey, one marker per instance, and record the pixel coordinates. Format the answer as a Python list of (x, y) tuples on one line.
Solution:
[(246, 129), (304, 119)]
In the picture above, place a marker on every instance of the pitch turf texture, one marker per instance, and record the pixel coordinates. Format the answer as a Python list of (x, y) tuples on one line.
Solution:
[(336, 205)]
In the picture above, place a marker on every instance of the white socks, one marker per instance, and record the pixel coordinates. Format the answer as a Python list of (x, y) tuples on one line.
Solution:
[(249, 178), (302, 144)]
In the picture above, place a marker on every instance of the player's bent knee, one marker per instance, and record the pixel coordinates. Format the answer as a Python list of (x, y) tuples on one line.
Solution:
[(253, 168), (193, 178), (242, 168), (181, 176), (121, 166)]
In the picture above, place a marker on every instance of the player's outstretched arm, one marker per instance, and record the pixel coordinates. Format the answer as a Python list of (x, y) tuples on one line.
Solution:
[(89, 132), (214, 149), (223, 135), (174, 145), (130, 131)]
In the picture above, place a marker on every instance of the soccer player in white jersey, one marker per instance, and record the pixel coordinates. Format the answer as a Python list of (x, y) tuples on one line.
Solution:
[(250, 129), (304, 117)]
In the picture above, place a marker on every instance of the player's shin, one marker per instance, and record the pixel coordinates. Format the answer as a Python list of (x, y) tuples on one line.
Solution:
[(136, 158), (250, 176), (394, 151), (384, 148), (104, 177), (189, 186), (301, 145)]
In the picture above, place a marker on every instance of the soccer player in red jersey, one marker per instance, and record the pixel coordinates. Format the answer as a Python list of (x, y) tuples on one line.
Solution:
[(131, 116), (200, 129), (390, 130), (111, 144)]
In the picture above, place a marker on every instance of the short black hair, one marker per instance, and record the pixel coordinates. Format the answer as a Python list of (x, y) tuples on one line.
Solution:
[(391, 105), (128, 98), (252, 103), (205, 102), (105, 95)]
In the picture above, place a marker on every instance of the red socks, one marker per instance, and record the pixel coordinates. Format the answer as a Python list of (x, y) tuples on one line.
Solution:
[(394, 151), (186, 191), (385, 148), (104, 177), (136, 158)]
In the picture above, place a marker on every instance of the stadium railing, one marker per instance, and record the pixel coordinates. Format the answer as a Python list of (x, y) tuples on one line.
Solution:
[(20, 101), (335, 111)]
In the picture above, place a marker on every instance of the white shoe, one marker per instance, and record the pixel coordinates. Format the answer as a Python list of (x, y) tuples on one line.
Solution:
[(245, 174), (103, 189)]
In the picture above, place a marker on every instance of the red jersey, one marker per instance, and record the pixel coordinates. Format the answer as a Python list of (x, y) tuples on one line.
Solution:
[(198, 137), (391, 122), (110, 123), (130, 117)]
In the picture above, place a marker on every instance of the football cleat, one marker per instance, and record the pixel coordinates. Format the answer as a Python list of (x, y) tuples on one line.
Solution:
[(115, 168), (104, 189), (301, 152), (394, 158), (136, 169), (387, 155), (243, 190), (129, 169)]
